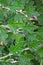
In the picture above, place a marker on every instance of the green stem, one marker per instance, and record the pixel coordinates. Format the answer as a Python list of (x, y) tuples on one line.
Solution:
[(41, 63)]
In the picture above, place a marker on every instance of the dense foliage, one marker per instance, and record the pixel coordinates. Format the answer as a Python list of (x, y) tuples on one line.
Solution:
[(21, 32)]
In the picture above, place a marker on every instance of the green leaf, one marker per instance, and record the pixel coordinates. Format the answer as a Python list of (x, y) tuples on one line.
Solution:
[(3, 34), (25, 59), (34, 45), (40, 19), (18, 44), (40, 52)]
